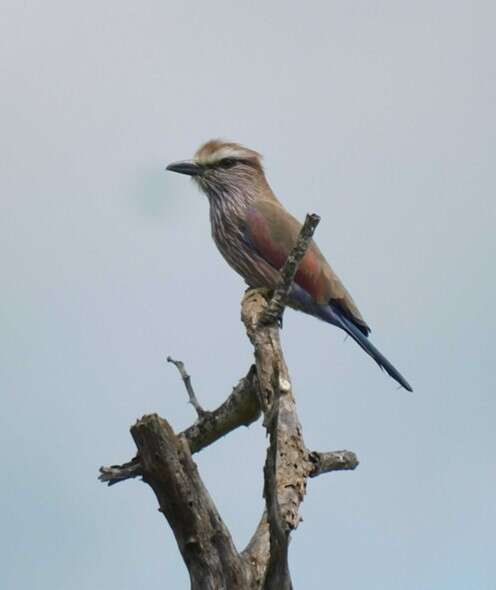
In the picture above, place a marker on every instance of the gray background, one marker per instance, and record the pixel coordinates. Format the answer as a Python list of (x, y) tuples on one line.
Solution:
[(377, 115)]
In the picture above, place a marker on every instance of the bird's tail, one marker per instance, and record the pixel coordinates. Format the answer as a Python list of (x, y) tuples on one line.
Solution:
[(362, 340)]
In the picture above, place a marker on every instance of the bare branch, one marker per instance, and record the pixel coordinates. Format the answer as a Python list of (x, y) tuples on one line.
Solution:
[(334, 461), (287, 465), (276, 307), (189, 388), (116, 473), (241, 408), (257, 551), (165, 463)]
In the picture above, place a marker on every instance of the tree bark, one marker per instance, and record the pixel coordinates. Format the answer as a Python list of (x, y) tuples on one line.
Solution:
[(202, 537)]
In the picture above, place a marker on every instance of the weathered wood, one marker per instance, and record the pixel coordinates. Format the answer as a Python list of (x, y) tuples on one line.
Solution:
[(165, 463), (334, 461), (116, 473), (287, 466), (257, 552), (202, 537), (241, 408)]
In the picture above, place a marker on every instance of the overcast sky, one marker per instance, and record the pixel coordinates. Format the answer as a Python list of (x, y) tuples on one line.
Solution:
[(379, 116)]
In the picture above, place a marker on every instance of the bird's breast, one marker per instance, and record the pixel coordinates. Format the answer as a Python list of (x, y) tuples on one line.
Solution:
[(228, 232)]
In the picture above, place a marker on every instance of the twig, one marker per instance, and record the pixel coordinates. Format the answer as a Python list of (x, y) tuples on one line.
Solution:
[(276, 306), (189, 388)]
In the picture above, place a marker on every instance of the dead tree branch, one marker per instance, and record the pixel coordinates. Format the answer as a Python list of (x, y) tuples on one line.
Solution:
[(189, 388), (335, 461), (241, 408), (164, 459), (201, 535), (287, 465), (116, 473)]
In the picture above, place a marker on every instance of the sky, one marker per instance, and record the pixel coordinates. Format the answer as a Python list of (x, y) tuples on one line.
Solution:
[(378, 116)]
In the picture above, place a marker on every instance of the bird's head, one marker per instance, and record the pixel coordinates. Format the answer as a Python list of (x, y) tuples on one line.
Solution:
[(220, 167)]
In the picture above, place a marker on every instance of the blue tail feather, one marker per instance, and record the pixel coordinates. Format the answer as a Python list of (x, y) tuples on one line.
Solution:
[(371, 350), (332, 315)]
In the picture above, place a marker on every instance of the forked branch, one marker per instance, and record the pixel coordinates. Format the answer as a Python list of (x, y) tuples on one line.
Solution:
[(241, 408), (164, 458)]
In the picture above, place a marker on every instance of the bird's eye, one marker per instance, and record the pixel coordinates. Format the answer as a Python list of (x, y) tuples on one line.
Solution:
[(227, 162)]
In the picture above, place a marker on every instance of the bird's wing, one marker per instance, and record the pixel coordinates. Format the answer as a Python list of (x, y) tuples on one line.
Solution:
[(273, 232)]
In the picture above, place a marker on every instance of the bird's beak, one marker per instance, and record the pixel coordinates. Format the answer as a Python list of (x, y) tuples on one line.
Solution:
[(185, 167)]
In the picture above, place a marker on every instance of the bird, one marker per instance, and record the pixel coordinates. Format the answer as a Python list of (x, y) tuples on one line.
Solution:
[(255, 234)]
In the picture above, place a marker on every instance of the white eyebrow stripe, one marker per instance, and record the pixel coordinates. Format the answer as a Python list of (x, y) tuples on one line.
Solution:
[(223, 152)]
